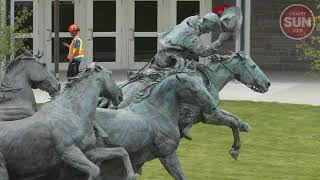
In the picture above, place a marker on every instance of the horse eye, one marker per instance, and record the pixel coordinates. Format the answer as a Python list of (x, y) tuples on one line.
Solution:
[(253, 66)]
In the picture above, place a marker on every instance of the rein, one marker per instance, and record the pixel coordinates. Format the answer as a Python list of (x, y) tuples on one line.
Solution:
[(216, 59), (237, 76), (137, 75)]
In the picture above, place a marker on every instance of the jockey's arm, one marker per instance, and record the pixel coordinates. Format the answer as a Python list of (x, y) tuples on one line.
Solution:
[(194, 44), (223, 37)]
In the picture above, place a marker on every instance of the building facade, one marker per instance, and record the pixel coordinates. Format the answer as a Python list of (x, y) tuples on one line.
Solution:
[(122, 34)]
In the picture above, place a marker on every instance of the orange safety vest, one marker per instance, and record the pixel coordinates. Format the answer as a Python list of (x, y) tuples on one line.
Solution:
[(73, 49)]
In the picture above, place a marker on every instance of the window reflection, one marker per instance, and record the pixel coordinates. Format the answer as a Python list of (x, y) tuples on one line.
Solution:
[(66, 15), (104, 49), (27, 43), (146, 16), (104, 16), (186, 9), (20, 9), (144, 48)]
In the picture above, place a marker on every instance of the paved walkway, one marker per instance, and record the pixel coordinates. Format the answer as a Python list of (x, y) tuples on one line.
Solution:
[(286, 87)]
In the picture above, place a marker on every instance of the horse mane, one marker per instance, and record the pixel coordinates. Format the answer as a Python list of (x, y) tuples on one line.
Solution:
[(7, 86), (27, 56), (181, 67), (83, 74), (216, 58)]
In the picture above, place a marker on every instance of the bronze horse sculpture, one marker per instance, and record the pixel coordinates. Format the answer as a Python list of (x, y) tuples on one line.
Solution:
[(23, 74), (148, 128), (216, 74), (60, 132)]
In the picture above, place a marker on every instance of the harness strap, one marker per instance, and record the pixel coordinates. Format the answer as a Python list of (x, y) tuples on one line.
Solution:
[(215, 58)]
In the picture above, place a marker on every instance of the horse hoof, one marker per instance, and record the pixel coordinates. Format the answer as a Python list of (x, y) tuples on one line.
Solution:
[(245, 127), (95, 172), (234, 153)]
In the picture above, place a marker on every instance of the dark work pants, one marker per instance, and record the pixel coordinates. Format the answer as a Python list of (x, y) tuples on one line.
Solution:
[(73, 69)]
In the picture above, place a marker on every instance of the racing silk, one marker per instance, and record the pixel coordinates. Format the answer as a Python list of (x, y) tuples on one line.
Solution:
[(76, 51)]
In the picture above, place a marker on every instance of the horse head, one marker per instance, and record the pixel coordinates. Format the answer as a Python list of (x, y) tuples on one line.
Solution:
[(110, 90), (191, 90), (39, 75), (36, 72), (244, 69)]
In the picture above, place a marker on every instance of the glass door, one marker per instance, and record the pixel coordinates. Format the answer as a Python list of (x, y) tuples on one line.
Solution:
[(186, 8), (142, 31), (70, 12), (29, 30), (103, 32)]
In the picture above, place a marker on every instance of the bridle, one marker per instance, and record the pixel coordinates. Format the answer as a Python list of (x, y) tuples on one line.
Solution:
[(216, 59), (237, 76)]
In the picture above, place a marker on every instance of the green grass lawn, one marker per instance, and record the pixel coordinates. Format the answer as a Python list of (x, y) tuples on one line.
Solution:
[(284, 144)]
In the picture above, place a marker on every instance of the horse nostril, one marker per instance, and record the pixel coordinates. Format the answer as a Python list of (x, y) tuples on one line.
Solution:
[(120, 98), (213, 109), (268, 84)]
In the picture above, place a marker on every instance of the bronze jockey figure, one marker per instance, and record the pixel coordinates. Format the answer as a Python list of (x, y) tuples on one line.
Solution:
[(184, 39)]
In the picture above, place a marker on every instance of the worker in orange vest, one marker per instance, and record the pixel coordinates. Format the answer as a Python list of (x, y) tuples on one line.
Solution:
[(76, 52)]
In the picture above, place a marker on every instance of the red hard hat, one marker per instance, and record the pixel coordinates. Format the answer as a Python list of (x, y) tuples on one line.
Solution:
[(74, 28), (220, 8)]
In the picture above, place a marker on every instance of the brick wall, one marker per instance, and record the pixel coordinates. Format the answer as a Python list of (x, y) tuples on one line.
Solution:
[(270, 48)]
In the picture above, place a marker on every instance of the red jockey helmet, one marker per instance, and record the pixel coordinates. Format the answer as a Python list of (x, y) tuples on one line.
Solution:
[(220, 8)]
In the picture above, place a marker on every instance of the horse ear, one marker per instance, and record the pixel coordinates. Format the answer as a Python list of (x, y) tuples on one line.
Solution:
[(26, 52), (242, 55), (92, 66)]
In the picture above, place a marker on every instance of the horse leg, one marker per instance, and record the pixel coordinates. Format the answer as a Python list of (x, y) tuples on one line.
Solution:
[(3, 169), (139, 168), (172, 164), (243, 126), (74, 157), (218, 117), (98, 155)]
